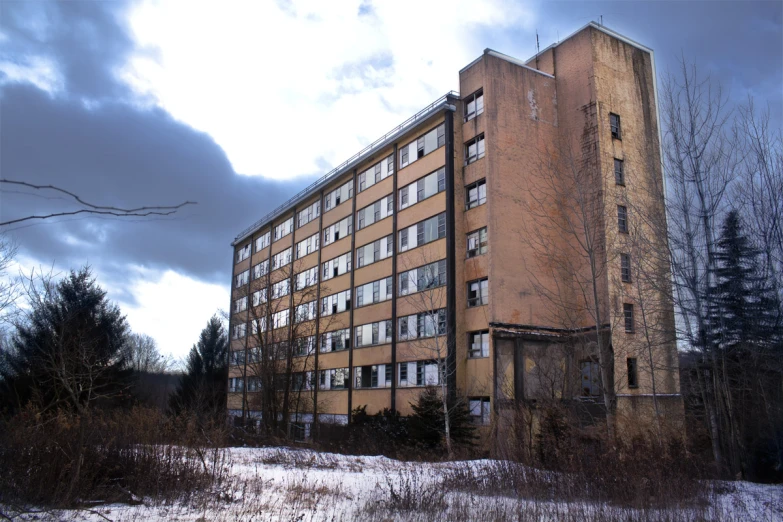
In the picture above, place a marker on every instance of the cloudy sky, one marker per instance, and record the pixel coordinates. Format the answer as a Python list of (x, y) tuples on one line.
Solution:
[(238, 105)]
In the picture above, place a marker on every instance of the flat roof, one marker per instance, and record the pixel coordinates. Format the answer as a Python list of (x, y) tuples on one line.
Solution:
[(441, 104)]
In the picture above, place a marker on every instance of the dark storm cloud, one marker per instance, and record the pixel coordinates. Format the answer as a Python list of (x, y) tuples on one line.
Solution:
[(88, 140)]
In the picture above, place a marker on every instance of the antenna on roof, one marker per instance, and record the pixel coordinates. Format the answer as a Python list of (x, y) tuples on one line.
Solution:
[(538, 49), (601, 17)]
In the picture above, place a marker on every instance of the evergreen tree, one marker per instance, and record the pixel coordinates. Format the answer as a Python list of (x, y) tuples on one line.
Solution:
[(69, 353), (427, 425), (202, 389)]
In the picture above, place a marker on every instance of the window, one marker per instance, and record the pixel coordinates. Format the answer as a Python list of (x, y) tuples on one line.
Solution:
[(308, 214), (474, 149), (239, 331), (375, 292), (478, 292), (258, 326), (378, 172), (339, 230), (338, 195), (336, 379), (336, 303), (336, 267), (307, 246), (306, 278), (280, 319), (253, 384), (254, 355), (633, 372), (259, 297), (423, 188), (281, 259), (432, 275), (591, 378), (418, 373), (423, 232), (423, 145), (261, 269), (281, 288), (614, 124), (372, 376), (622, 219), (262, 242), (305, 312), (304, 346), (302, 380), (236, 357), (474, 104), (279, 350), (619, 172), (477, 242), (236, 384), (479, 410), (426, 324), (243, 278), (625, 267), (240, 305), (628, 315), (243, 253), (375, 212), (284, 228), (373, 334), (375, 251), (475, 194), (336, 341), (478, 344)]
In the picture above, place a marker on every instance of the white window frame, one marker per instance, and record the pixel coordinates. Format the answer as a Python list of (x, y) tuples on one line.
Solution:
[(375, 212), (242, 278), (336, 303), (263, 241), (338, 196), (423, 145), (375, 174), (480, 349), (341, 263), (474, 104), (378, 250), (283, 229), (281, 259), (474, 149), (308, 245), (308, 214), (243, 253), (337, 231)]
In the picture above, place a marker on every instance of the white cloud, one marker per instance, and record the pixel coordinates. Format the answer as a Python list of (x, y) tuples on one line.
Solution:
[(286, 90)]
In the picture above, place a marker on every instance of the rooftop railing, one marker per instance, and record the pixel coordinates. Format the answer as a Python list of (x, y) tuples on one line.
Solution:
[(422, 114)]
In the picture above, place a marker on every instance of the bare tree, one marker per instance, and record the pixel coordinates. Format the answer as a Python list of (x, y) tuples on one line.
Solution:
[(10, 285), (142, 355)]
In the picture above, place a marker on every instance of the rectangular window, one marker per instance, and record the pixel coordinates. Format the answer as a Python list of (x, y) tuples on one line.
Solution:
[(479, 410), (372, 376), (614, 124), (258, 326), (281, 289), (375, 251), (478, 292), (280, 319), (418, 373), (475, 194), (261, 269), (336, 267), (262, 241), (308, 214), (378, 172), (243, 278), (306, 278), (336, 303), (423, 232), (633, 372), (591, 378), (339, 230), (474, 149), (243, 253), (622, 219), (259, 297), (619, 172), (281, 259), (307, 246), (375, 212), (422, 325), (284, 228), (336, 341), (240, 305), (625, 267), (477, 242), (429, 276), (422, 146), (236, 384), (474, 104), (304, 346), (239, 331), (628, 316), (478, 344), (335, 379), (236, 357), (423, 188), (373, 334), (305, 312), (375, 292), (339, 195)]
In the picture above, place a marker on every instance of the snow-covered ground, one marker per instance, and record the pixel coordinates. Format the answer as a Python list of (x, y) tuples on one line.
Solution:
[(300, 485)]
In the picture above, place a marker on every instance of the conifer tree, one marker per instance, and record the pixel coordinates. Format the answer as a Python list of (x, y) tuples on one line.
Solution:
[(426, 424)]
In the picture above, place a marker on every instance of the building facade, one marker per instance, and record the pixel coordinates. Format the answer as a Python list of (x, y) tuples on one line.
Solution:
[(490, 245)]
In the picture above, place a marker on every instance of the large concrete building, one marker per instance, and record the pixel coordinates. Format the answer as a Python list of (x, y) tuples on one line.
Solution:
[(479, 246)]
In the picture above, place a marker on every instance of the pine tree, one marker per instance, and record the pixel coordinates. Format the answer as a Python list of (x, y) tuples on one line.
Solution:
[(202, 389), (427, 426)]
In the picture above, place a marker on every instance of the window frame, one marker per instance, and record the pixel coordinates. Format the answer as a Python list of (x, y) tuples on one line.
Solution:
[(629, 320), (483, 247), (482, 298), (622, 219), (473, 98), (619, 173), (615, 127), (482, 353), (479, 154), (625, 268), (632, 367), (478, 202)]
